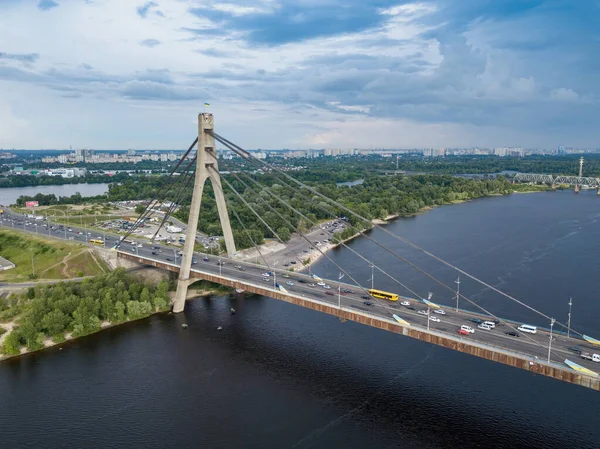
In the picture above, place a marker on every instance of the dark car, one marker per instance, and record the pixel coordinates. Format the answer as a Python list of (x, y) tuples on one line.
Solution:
[(169, 259), (154, 253), (286, 264), (512, 334), (367, 303), (576, 349), (329, 293), (302, 281), (476, 320), (365, 297), (205, 259), (410, 308), (293, 262)]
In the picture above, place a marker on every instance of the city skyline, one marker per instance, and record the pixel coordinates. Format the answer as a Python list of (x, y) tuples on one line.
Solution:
[(336, 74)]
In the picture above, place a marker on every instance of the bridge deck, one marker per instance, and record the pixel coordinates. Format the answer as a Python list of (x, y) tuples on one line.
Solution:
[(528, 353)]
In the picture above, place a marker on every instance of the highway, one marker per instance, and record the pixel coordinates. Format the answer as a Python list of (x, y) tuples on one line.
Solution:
[(535, 346)]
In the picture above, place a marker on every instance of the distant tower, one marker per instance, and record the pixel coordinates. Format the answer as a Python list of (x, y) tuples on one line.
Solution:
[(580, 173)]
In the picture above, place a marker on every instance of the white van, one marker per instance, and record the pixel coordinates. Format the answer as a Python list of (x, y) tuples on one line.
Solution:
[(490, 324), (485, 327), (528, 329)]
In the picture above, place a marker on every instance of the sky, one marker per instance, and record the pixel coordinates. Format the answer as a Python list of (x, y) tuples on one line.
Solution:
[(118, 74)]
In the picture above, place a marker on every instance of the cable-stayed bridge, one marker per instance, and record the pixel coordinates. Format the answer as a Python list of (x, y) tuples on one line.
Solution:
[(548, 352)]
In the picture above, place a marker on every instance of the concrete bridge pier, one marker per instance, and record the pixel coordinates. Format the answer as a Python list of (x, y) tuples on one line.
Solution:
[(576, 188)]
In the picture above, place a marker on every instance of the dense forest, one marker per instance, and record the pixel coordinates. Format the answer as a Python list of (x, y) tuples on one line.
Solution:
[(50, 312), (377, 197)]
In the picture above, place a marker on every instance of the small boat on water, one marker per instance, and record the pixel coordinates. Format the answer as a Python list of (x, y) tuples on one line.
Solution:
[(219, 328), (232, 310), (184, 326), (239, 290)]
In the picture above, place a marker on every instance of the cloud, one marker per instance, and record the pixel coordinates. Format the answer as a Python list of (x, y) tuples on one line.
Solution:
[(562, 94), (472, 72), (145, 9), (150, 43), (45, 5), (30, 57)]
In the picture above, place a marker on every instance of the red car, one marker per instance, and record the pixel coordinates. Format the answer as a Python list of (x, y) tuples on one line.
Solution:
[(463, 332), (329, 293)]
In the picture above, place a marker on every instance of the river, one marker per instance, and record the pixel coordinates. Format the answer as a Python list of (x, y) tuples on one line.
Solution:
[(9, 195), (279, 376)]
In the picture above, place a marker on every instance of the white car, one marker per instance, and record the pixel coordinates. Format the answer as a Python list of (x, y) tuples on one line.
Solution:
[(434, 318), (312, 285), (405, 303), (468, 329), (289, 283), (485, 327), (140, 246), (422, 312), (266, 275), (440, 311), (322, 284), (326, 287)]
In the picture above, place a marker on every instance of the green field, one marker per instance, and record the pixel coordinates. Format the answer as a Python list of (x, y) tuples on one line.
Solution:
[(52, 259)]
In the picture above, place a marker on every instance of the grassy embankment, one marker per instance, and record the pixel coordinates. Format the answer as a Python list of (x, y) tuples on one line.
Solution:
[(52, 259)]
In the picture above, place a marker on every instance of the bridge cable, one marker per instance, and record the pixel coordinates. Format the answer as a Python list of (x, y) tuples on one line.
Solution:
[(256, 246), (151, 204), (271, 208), (510, 325), (248, 156), (177, 199), (418, 268), (341, 242), (385, 306)]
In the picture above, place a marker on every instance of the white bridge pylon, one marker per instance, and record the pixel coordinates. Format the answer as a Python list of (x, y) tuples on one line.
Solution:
[(207, 167)]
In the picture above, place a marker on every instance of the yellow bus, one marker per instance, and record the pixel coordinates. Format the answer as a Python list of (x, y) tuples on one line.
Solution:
[(97, 242), (383, 295)]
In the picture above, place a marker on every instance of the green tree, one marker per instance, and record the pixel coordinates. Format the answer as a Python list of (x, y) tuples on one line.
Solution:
[(55, 322), (12, 343), (284, 233)]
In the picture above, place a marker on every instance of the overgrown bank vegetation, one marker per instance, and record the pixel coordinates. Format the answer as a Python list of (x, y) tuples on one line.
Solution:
[(50, 314)]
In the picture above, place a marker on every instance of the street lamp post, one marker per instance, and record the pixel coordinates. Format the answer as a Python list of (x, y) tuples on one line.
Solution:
[(274, 279), (372, 276), (428, 310), (457, 281), (569, 322), (552, 321)]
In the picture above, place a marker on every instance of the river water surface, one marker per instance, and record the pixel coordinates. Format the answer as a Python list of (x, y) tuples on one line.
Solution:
[(279, 376), (9, 195)]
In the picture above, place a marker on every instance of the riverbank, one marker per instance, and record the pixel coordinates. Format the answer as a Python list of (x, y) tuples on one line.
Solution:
[(48, 342)]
